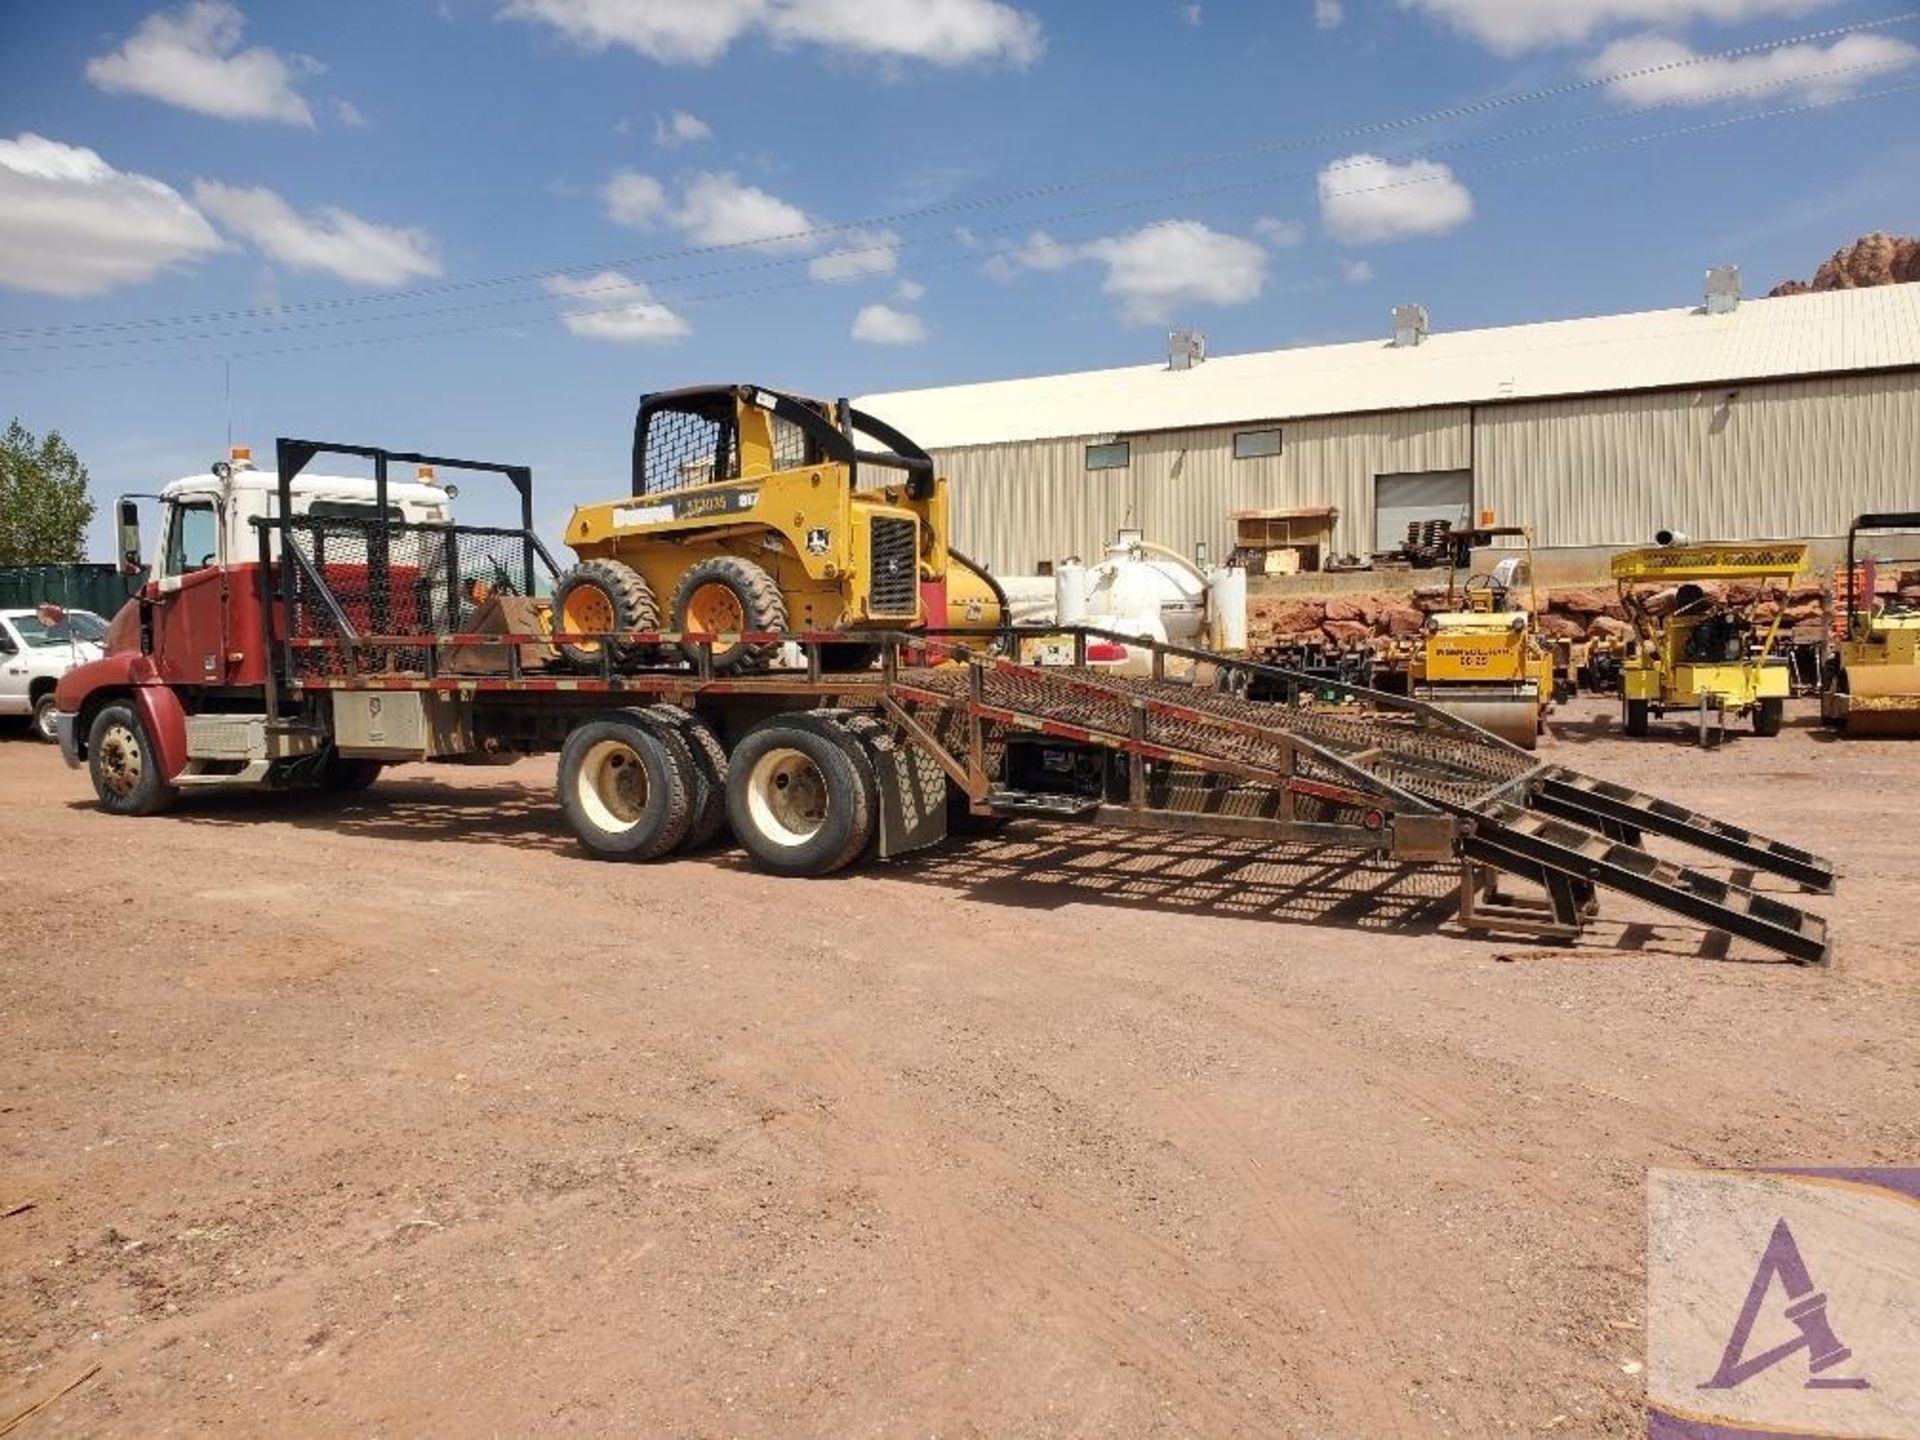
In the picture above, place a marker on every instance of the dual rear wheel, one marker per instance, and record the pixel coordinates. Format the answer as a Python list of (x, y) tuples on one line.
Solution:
[(798, 791)]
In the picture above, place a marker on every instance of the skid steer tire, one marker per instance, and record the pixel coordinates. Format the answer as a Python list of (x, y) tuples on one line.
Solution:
[(124, 766), (728, 596), (600, 596), (623, 789), (800, 798), (698, 749), (1767, 716)]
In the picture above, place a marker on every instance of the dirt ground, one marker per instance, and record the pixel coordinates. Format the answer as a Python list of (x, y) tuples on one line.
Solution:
[(394, 1115)]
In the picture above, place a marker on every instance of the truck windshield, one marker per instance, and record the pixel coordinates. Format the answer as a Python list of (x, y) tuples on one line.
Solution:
[(74, 625)]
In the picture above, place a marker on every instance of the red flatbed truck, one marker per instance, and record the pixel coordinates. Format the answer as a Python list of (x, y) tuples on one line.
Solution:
[(310, 631)]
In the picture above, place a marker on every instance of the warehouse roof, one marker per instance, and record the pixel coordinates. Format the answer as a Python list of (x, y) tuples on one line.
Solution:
[(1831, 332)]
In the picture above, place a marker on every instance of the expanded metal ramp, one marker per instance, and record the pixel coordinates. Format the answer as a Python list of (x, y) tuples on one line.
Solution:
[(1381, 766)]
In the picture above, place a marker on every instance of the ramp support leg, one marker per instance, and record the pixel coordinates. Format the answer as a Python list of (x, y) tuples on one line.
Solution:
[(1560, 912)]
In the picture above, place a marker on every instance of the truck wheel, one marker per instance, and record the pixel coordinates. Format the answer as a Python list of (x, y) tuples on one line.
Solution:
[(124, 766), (729, 596), (1634, 716), (598, 596), (43, 722), (623, 790), (797, 800), (1767, 716), (707, 762)]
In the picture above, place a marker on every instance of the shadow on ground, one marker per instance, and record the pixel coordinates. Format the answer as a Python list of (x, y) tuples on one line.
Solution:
[(1025, 866)]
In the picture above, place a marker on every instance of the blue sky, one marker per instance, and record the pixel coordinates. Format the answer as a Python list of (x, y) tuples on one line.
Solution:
[(485, 226)]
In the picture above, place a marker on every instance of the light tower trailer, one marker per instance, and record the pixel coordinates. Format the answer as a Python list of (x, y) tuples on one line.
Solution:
[(372, 637)]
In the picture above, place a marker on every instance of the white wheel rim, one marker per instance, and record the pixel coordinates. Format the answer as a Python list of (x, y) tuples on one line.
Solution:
[(120, 759), (787, 797), (612, 786), (44, 718)]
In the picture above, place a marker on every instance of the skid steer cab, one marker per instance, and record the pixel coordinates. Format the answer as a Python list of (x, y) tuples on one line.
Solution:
[(755, 514)]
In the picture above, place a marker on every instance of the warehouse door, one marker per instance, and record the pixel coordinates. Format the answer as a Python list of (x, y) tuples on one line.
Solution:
[(1403, 500)]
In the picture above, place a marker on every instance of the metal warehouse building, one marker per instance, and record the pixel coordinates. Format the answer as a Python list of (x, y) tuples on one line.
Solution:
[(1763, 418)]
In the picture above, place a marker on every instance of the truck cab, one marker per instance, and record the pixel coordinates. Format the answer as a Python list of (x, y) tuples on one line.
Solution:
[(193, 644)]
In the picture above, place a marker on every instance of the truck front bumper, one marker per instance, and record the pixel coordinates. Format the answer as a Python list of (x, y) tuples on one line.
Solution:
[(63, 725)]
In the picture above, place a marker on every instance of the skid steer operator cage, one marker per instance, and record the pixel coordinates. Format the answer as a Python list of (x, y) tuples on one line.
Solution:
[(352, 585), (684, 438)]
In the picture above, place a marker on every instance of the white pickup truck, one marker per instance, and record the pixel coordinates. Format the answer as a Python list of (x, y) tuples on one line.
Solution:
[(37, 647)]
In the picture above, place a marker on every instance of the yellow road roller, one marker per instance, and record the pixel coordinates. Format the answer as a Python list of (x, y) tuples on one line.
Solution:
[(1481, 658), (1871, 685)]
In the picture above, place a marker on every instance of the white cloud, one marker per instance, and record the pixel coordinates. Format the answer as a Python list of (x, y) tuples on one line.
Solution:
[(1281, 234), (1159, 268), (1364, 198), (1328, 14), (717, 209), (1153, 270), (909, 291), (71, 224), (1684, 78), (859, 255), (330, 239), (670, 132), (1511, 26), (1039, 251), (939, 32), (1356, 272), (634, 200), (609, 306), (884, 325), (192, 58), (1191, 14), (349, 114)]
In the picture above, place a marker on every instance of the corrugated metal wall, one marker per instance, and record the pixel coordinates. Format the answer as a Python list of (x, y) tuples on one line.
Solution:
[(1018, 504), (1777, 461), (1783, 459)]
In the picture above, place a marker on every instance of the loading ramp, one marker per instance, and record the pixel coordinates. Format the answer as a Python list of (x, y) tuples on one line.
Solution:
[(1400, 775)]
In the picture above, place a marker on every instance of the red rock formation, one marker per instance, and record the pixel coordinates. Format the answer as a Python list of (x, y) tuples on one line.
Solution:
[(1876, 259)]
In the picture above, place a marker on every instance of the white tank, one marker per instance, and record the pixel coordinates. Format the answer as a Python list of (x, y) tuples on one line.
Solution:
[(1227, 610), (1164, 596), (1070, 593)]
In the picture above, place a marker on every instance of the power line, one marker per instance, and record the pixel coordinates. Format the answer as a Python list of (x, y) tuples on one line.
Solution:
[(625, 287), (1463, 110), (1598, 147)]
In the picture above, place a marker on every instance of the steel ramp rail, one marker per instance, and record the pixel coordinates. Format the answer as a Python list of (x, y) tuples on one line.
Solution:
[(1624, 813), (1533, 838)]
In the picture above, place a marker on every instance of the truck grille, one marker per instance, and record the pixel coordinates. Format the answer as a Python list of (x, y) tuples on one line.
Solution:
[(895, 551)]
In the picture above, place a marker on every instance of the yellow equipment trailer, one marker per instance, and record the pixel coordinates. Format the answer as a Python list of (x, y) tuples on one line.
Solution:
[(1481, 658), (1872, 681), (747, 519), (1704, 655)]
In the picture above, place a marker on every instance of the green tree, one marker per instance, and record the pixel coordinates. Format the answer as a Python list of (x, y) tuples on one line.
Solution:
[(44, 506)]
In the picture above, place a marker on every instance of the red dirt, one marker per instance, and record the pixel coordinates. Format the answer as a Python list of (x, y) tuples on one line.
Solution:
[(394, 1115)]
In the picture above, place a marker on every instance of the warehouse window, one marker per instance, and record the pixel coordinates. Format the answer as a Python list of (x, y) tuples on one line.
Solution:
[(1255, 444), (1112, 456)]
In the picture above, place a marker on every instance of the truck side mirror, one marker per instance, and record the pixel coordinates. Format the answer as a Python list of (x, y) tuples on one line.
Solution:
[(132, 552)]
